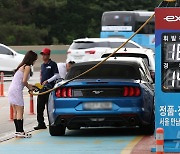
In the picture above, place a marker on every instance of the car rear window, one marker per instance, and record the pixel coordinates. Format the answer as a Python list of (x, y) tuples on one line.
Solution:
[(89, 44), (106, 71), (118, 44), (143, 56)]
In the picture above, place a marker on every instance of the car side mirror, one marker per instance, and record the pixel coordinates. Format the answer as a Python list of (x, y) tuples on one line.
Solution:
[(13, 54), (153, 76)]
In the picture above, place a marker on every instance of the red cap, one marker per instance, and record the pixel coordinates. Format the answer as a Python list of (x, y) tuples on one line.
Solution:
[(46, 51)]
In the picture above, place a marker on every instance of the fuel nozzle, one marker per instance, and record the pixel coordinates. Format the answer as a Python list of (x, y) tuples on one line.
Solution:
[(37, 87)]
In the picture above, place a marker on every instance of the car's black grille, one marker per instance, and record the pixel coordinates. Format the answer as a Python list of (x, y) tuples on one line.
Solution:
[(98, 92)]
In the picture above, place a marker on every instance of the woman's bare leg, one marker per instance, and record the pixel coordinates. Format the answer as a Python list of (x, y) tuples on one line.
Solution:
[(14, 112), (20, 115), (15, 117), (20, 112)]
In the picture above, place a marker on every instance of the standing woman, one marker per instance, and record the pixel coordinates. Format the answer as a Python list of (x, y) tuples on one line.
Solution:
[(15, 93)]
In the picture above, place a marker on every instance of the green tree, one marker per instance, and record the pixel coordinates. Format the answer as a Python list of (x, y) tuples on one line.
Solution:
[(26, 22), (16, 24)]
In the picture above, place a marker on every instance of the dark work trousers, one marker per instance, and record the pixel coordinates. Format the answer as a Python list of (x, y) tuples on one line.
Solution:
[(42, 102)]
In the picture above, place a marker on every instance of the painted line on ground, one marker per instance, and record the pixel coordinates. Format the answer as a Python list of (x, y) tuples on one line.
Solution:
[(128, 149), (43, 143)]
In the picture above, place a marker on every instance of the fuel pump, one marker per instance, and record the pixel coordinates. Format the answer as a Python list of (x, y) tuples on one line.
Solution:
[(167, 82)]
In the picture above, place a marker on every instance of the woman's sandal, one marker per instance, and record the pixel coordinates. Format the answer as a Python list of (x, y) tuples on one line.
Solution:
[(22, 135)]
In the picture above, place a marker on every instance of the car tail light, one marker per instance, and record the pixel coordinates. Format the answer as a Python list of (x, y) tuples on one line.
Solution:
[(64, 92), (69, 92), (126, 91), (137, 91), (58, 92), (68, 52), (131, 91), (90, 52)]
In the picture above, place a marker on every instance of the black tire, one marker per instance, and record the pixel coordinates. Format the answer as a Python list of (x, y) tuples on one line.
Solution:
[(149, 129), (57, 130)]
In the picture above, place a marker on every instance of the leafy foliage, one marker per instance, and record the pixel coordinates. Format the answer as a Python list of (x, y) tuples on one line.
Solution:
[(25, 22)]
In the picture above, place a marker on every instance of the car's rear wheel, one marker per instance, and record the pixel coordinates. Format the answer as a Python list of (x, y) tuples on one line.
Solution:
[(149, 129), (58, 130)]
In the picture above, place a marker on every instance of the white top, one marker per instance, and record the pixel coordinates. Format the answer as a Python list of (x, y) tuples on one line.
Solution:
[(55, 77), (62, 70)]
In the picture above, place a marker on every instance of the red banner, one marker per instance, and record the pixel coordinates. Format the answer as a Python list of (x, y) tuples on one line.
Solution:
[(167, 18)]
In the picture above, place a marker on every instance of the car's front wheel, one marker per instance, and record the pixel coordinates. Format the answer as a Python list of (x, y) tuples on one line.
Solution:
[(58, 130)]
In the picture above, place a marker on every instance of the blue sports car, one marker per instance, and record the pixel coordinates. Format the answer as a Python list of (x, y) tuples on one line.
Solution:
[(118, 93)]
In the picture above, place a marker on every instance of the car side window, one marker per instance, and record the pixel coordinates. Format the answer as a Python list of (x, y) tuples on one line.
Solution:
[(143, 76), (148, 75), (5, 51)]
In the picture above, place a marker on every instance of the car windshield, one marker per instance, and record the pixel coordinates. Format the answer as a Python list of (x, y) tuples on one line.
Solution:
[(106, 71), (105, 44)]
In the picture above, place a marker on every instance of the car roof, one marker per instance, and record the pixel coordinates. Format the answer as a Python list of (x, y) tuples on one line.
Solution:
[(104, 40), (113, 60), (134, 50), (123, 59)]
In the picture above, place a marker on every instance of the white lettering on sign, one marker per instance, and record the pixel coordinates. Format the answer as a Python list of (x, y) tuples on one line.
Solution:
[(170, 122), (170, 111), (173, 38), (177, 141), (170, 116), (173, 121), (162, 111), (166, 38), (166, 65), (164, 121), (172, 18), (179, 110)]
